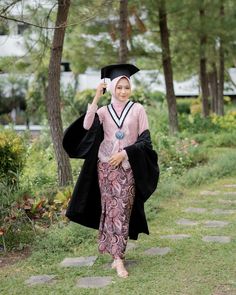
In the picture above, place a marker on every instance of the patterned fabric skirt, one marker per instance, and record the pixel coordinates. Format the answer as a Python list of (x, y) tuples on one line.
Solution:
[(117, 196)]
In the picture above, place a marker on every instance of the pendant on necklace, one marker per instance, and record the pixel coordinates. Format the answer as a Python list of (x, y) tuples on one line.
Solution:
[(119, 134)]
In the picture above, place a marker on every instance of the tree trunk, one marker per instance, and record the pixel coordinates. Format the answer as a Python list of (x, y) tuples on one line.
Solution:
[(53, 95), (167, 66), (220, 105), (213, 85), (203, 68), (123, 50)]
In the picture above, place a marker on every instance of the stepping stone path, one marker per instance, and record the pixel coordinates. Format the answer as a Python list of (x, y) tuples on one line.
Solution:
[(130, 246), (184, 221), (221, 201), (175, 237), (157, 251), (78, 261), (218, 239), (209, 193), (40, 279), (223, 211), (230, 185), (230, 193), (94, 282), (226, 289), (195, 210), (215, 223)]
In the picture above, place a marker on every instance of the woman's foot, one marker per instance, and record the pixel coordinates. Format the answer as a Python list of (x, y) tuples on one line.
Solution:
[(120, 268)]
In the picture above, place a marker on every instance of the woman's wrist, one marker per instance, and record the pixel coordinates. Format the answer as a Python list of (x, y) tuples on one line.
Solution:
[(95, 100)]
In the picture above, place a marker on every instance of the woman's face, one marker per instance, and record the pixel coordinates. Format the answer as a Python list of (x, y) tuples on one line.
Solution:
[(123, 90)]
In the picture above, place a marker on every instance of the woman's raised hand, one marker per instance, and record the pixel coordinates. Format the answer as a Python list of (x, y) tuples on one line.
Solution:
[(99, 92)]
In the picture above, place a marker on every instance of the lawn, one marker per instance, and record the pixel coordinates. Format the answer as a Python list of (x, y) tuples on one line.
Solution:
[(192, 267)]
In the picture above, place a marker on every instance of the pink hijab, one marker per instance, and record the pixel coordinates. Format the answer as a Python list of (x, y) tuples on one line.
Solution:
[(117, 104)]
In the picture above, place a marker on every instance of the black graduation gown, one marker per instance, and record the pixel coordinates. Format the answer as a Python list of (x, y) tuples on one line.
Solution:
[(85, 204)]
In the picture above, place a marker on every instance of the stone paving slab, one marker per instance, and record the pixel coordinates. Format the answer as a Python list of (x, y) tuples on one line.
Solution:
[(217, 239), (209, 193), (94, 282), (223, 211), (130, 246), (129, 263), (157, 251), (230, 185), (230, 193), (175, 237), (187, 222), (231, 202), (226, 289), (78, 261), (215, 223), (40, 279), (195, 210)]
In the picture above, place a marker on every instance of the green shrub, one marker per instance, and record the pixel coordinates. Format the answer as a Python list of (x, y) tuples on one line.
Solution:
[(197, 124), (12, 156), (223, 139), (64, 238), (184, 105), (177, 155), (147, 98), (226, 122), (158, 121), (219, 166)]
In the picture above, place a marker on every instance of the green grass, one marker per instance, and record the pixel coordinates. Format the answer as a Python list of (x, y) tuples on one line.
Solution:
[(193, 267)]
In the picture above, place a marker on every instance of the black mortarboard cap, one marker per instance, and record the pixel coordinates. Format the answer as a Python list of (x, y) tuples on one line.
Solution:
[(113, 71)]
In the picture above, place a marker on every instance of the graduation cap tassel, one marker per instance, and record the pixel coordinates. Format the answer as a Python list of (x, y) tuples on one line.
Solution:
[(104, 89)]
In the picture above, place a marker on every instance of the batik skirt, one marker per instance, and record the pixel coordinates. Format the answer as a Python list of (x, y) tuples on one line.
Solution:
[(117, 197)]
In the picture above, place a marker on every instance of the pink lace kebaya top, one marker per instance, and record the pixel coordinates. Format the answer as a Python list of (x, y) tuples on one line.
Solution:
[(134, 124)]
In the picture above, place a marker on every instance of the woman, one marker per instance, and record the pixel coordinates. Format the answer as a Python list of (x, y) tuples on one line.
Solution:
[(125, 138)]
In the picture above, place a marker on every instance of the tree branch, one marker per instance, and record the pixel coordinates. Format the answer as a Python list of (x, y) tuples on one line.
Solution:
[(9, 6), (45, 27)]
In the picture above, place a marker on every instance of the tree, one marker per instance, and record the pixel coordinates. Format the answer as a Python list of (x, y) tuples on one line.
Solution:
[(203, 62), (123, 26), (53, 94), (167, 67), (220, 103)]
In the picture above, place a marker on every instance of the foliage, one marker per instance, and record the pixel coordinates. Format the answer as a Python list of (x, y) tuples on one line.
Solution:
[(184, 105), (12, 95), (223, 139), (61, 238), (218, 167), (196, 124), (31, 213), (176, 155), (12, 155), (226, 122), (147, 98), (35, 97)]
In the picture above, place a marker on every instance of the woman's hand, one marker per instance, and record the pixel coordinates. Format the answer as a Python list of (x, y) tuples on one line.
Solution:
[(116, 159), (99, 92)]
